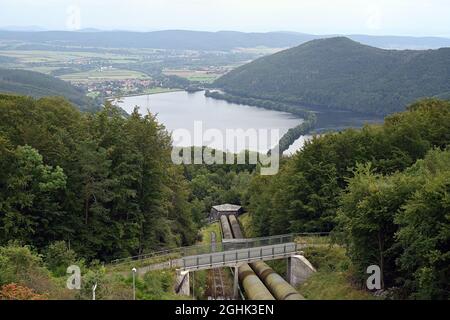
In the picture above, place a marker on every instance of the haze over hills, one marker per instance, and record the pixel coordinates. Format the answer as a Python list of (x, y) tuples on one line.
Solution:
[(343, 74), (39, 85), (200, 40)]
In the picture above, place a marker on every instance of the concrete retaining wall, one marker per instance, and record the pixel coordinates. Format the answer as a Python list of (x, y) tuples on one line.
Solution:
[(299, 270), (182, 286)]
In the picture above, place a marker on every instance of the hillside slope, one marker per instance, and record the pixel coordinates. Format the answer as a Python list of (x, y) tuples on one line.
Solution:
[(39, 85), (342, 74)]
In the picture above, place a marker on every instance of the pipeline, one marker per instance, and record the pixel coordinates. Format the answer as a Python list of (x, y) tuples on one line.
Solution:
[(226, 229), (279, 287), (253, 286), (235, 227)]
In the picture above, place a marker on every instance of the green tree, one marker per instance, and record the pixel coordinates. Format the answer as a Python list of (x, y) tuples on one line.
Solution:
[(30, 207), (424, 232)]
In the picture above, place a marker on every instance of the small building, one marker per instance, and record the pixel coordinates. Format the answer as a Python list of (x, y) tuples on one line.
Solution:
[(227, 209)]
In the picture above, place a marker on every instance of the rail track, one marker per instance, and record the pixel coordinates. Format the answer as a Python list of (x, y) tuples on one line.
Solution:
[(219, 290)]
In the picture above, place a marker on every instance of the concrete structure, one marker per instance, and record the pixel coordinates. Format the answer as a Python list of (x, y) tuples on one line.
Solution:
[(299, 269), (224, 209), (234, 254), (182, 286)]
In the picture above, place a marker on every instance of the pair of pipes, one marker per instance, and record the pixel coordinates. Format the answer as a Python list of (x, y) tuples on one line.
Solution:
[(272, 286)]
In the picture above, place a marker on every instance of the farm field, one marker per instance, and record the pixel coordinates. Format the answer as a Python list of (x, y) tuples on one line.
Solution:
[(194, 75), (40, 56), (101, 75)]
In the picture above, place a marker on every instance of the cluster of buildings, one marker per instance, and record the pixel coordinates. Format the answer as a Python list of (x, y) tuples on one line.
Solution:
[(110, 88)]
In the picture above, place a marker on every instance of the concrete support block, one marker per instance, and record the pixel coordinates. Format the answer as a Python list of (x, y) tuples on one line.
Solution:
[(236, 284), (299, 270), (182, 284)]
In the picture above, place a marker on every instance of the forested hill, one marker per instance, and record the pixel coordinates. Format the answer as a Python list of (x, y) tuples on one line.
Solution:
[(344, 74), (39, 85)]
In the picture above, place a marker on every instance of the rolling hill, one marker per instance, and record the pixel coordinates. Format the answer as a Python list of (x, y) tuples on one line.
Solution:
[(340, 73), (196, 40), (40, 85)]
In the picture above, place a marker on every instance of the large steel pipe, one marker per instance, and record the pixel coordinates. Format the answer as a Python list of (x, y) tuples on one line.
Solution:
[(254, 288), (235, 227), (279, 287), (226, 229)]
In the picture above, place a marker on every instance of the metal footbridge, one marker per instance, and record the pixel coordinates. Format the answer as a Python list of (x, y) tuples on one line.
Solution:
[(228, 253)]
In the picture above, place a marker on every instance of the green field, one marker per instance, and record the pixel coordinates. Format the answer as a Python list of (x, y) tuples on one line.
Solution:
[(39, 56), (203, 78), (332, 281), (194, 75), (206, 233), (109, 74)]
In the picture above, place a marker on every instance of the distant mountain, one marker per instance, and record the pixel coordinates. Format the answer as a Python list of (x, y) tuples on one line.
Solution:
[(171, 39), (343, 74), (397, 42), (40, 85), (199, 40)]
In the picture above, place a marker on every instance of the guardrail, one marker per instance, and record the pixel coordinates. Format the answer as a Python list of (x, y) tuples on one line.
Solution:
[(236, 256), (226, 245)]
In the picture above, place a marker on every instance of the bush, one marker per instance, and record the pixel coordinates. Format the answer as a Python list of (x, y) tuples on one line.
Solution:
[(13, 291), (58, 257), (23, 267)]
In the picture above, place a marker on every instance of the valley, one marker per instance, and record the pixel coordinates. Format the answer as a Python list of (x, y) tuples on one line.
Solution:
[(142, 159)]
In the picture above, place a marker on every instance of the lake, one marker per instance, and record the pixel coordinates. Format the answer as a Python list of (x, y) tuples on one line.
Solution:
[(181, 110)]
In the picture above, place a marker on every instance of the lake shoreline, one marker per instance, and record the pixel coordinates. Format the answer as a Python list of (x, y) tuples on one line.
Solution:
[(143, 94)]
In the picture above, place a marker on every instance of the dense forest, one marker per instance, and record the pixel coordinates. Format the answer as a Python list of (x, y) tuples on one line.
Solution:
[(339, 73), (39, 85), (86, 188), (101, 182), (383, 191)]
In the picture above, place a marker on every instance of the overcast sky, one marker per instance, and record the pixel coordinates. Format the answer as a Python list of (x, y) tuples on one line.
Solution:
[(393, 17)]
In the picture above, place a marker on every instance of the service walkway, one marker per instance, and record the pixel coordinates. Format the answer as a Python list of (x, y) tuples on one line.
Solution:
[(230, 253)]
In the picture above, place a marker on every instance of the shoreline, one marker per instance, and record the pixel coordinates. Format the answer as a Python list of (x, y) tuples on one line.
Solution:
[(143, 94)]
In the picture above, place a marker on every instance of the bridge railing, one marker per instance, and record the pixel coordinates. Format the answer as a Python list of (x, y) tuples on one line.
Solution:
[(226, 245)]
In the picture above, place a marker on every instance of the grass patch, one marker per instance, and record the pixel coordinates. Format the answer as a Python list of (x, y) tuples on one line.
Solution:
[(332, 279), (279, 266), (199, 282), (205, 233), (314, 240), (246, 223)]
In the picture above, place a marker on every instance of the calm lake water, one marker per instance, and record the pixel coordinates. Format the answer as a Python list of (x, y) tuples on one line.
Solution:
[(181, 110)]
